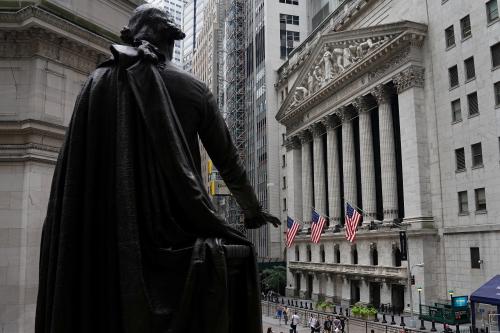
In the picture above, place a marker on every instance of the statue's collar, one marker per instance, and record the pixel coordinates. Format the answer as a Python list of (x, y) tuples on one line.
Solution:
[(126, 55)]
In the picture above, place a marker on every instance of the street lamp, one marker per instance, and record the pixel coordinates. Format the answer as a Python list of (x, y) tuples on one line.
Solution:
[(450, 292), (419, 289), (409, 286)]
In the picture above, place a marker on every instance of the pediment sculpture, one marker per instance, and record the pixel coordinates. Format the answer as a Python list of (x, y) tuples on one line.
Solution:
[(334, 59)]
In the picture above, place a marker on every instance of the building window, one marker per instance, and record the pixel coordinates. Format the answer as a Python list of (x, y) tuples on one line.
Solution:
[(374, 257), (495, 55), (290, 2), (473, 104), (465, 27), (453, 75), (480, 199), (460, 159), (284, 204), (337, 254), (475, 260), (284, 182), (309, 253), (354, 253), (463, 203), (289, 19), (492, 10), (456, 113), (297, 253), (322, 256), (497, 94), (477, 155), (397, 257), (450, 37), (283, 161), (470, 71)]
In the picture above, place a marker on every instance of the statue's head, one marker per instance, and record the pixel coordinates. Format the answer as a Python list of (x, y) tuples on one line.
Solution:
[(154, 24)]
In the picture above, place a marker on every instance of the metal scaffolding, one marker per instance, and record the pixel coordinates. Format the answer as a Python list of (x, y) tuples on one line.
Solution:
[(235, 87)]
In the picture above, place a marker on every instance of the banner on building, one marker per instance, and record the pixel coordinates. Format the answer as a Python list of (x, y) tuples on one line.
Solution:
[(403, 245)]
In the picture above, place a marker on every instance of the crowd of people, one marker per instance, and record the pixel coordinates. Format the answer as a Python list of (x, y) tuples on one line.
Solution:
[(330, 325)]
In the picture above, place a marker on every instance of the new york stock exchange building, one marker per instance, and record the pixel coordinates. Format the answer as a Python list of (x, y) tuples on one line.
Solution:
[(392, 107)]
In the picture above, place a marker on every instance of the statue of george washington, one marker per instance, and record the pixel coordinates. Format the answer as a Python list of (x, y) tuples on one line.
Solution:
[(131, 242)]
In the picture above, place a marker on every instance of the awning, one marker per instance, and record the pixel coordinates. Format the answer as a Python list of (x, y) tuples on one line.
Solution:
[(488, 293)]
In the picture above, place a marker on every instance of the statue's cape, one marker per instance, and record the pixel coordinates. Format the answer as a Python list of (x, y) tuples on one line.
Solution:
[(125, 163)]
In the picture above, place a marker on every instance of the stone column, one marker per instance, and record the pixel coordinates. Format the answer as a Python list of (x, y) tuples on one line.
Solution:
[(348, 157), (368, 196), (294, 177), (307, 184), (414, 144), (319, 169), (364, 291), (385, 292), (387, 153), (333, 169)]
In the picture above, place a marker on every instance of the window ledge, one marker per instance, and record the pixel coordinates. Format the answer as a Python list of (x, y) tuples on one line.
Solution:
[(473, 115), (463, 214), (493, 21), (454, 87), (466, 38), (497, 106), (460, 170), (478, 167), (494, 68), (481, 212), (456, 121), (450, 47), (470, 80)]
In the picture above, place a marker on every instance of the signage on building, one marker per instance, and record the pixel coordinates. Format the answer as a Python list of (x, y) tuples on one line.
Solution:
[(403, 244), (459, 301)]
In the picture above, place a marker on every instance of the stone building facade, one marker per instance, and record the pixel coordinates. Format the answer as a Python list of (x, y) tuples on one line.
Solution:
[(384, 98), (47, 49)]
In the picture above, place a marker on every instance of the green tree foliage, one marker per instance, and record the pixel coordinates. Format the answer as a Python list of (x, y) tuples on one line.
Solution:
[(274, 278)]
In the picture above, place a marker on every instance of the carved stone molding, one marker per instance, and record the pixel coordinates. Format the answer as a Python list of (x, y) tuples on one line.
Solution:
[(305, 136), (373, 246), (382, 94), (345, 114), (410, 77), (361, 104), (331, 121), (317, 129)]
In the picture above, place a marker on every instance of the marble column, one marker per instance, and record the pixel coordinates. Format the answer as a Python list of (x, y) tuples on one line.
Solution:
[(386, 292), (307, 184), (348, 157), (367, 164), (319, 169), (414, 144), (331, 123), (294, 176), (387, 153)]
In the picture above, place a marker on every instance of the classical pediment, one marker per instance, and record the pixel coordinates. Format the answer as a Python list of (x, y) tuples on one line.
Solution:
[(340, 57)]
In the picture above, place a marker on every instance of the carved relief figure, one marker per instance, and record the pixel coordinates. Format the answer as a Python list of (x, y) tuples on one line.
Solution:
[(299, 95), (311, 84), (318, 75), (327, 61)]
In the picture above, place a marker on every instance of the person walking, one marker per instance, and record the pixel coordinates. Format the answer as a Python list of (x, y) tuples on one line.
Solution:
[(312, 323), (295, 320), (279, 313), (285, 315), (327, 325), (337, 325)]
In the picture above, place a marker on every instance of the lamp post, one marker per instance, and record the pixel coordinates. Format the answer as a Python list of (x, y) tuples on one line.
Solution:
[(419, 289), (410, 288), (450, 292)]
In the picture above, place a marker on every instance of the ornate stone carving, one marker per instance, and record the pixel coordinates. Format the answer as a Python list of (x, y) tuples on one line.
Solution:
[(361, 104), (317, 129), (299, 95), (345, 114), (373, 246), (305, 136), (410, 77), (382, 93), (292, 142), (331, 121)]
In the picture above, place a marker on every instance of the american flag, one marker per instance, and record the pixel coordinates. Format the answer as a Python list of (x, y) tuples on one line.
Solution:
[(293, 227), (352, 218), (318, 222)]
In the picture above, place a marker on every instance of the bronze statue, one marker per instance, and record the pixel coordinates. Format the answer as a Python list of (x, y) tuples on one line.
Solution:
[(131, 242)]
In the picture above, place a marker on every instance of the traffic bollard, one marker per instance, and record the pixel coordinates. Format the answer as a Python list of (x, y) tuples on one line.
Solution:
[(422, 326), (384, 321), (433, 328), (402, 321), (393, 322)]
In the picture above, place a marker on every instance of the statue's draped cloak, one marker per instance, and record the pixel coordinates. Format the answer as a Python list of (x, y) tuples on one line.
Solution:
[(131, 242)]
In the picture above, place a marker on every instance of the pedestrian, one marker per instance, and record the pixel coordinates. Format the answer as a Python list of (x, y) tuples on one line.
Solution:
[(295, 320), (337, 325), (285, 315), (327, 325), (317, 326), (312, 323), (279, 313)]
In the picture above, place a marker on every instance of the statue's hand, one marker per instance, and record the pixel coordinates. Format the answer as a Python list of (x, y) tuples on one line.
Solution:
[(261, 219)]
